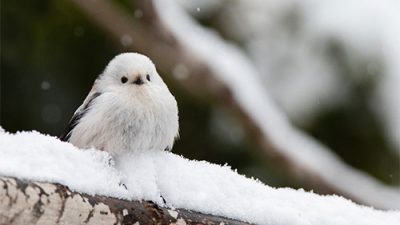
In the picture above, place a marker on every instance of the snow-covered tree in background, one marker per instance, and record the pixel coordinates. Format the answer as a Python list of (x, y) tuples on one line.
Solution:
[(289, 43)]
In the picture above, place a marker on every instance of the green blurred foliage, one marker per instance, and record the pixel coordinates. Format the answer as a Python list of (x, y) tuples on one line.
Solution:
[(50, 56), (352, 129)]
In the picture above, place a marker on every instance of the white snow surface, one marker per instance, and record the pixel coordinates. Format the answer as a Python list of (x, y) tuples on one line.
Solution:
[(194, 185), (34, 156)]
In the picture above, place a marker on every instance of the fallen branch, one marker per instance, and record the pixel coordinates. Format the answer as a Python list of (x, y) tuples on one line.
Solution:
[(25, 202), (304, 158)]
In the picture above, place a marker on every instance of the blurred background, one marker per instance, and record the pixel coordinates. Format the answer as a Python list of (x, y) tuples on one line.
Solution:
[(331, 67)]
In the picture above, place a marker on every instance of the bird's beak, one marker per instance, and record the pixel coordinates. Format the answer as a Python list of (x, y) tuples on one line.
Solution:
[(138, 81)]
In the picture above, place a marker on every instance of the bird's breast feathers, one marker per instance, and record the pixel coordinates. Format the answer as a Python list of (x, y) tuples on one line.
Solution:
[(131, 123)]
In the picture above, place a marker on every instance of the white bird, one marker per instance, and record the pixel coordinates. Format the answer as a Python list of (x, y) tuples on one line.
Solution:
[(128, 109)]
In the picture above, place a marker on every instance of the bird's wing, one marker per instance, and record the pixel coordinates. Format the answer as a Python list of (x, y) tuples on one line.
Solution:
[(79, 113)]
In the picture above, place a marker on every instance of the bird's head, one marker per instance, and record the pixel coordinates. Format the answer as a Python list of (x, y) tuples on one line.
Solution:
[(130, 72)]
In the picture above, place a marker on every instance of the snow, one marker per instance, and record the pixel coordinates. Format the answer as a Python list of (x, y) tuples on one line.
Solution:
[(236, 71), (34, 156), (193, 185)]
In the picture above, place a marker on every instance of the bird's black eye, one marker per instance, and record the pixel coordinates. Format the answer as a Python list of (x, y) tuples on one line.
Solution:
[(124, 80), (148, 77)]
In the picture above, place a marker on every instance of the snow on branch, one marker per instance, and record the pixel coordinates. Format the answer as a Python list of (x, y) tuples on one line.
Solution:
[(94, 183), (206, 64)]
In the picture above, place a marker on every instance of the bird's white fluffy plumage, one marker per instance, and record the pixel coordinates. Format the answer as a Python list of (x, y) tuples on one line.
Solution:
[(124, 115)]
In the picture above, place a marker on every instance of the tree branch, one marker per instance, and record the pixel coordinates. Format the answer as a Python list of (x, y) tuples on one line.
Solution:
[(25, 202)]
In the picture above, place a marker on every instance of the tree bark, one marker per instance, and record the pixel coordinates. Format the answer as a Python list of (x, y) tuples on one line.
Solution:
[(27, 202)]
